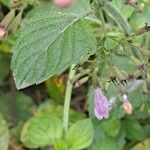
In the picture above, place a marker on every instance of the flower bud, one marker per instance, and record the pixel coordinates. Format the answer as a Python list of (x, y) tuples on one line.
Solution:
[(62, 3), (2, 31), (81, 81), (136, 61), (119, 74), (127, 105)]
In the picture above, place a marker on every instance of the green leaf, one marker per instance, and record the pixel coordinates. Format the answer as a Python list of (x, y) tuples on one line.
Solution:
[(112, 126), (51, 41), (60, 144), (133, 129), (57, 110), (4, 134), (41, 130), (143, 17), (102, 140), (80, 135), (15, 106), (116, 15), (120, 139), (90, 96), (125, 10)]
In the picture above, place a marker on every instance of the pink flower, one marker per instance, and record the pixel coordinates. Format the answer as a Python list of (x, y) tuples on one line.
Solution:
[(127, 105), (101, 104), (63, 3)]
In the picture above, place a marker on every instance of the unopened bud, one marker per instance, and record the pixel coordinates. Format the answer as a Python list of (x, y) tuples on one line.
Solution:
[(127, 105), (8, 18), (136, 61), (144, 88), (62, 3), (2, 31), (145, 51), (137, 73), (15, 23), (81, 81), (120, 75), (125, 74)]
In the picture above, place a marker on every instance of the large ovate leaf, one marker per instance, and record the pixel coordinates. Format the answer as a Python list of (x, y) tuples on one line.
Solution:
[(4, 134), (50, 41), (41, 130), (80, 135)]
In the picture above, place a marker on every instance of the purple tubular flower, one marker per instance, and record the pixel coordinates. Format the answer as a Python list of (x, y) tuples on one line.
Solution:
[(101, 108)]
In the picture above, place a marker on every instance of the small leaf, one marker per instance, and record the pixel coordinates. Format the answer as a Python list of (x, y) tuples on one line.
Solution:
[(126, 10), (117, 16), (41, 130), (112, 126), (143, 17), (133, 129), (4, 134), (80, 135), (102, 140), (51, 41)]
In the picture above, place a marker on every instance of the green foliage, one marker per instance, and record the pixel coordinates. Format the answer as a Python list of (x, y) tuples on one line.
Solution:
[(117, 16), (50, 108), (112, 126), (15, 106), (4, 67), (101, 140), (4, 134), (55, 88), (125, 10), (143, 17), (100, 38), (80, 135), (54, 39), (133, 129), (41, 130), (60, 144)]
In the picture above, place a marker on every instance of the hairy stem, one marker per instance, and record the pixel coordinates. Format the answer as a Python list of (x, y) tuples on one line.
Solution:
[(68, 98)]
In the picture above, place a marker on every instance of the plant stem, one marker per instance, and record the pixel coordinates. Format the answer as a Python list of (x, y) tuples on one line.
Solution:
[(68, 98)]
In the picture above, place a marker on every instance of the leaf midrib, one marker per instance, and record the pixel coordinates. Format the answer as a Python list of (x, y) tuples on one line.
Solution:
[(43, 51)]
